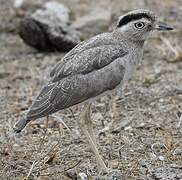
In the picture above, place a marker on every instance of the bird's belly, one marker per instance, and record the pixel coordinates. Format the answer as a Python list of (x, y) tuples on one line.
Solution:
[(109, 92)]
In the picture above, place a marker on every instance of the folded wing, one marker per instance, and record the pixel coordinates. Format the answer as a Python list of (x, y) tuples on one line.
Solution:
[(76, 89)]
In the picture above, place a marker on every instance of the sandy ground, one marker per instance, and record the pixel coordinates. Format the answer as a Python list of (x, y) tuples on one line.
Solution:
[(140, 135)]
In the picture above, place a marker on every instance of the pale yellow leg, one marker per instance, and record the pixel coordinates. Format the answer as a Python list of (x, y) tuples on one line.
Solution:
[(87, 128), (89, 123)]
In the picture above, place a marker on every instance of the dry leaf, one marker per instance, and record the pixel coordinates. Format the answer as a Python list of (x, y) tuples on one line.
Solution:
[(51, 158), (168, 140)]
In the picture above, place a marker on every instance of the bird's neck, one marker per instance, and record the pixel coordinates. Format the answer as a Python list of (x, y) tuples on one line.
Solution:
[(128, 39), (134, 48)]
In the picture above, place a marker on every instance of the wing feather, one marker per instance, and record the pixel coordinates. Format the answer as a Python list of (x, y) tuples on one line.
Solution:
[(88, 56)]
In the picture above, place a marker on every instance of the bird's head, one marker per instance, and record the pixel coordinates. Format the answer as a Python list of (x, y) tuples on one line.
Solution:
[(137, 25)]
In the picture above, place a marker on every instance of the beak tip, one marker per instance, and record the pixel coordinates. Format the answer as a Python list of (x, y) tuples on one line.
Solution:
[(168, 28), (164, 27), (171, 28)]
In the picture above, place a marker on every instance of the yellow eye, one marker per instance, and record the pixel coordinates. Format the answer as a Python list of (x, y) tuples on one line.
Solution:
[(139, 25)]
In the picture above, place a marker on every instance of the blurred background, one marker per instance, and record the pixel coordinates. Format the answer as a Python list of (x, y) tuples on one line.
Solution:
[(140, 135)]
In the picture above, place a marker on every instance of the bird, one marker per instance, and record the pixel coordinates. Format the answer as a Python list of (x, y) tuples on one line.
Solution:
[(97, 66)]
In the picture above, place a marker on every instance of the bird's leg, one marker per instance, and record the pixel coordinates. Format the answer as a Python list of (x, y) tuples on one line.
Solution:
[(87, 128), (89, 123)]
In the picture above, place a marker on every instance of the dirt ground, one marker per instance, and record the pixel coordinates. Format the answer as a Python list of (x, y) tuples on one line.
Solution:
[(140, 135)]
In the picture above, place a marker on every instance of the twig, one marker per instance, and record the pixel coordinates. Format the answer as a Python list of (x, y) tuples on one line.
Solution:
[(38, 162), (76, 164), (62, 122), (49, 151), (31, 169), (176, 50), (167, 42)]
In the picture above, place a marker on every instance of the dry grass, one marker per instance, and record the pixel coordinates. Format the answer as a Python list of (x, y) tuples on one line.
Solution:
[(140, 135)]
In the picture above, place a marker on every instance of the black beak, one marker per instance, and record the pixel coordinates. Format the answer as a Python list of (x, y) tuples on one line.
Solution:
[(163, 27)]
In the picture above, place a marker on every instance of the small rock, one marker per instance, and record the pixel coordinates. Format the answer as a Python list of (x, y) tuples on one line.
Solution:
[(141, 125), (18, 3), (76, 136), (48, 29), (161, 158), (128, 128), (59, 9), (82, 176)]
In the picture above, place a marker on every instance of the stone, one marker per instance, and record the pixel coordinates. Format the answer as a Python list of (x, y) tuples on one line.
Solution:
[(59, 9), (49, 29), (82, 176), (18, 3)]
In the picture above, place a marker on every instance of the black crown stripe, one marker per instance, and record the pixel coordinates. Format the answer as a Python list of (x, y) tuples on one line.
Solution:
[(133, 17)]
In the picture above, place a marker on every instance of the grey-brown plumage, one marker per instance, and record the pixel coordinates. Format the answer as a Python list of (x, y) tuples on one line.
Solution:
[(87, 71), (95, 66)]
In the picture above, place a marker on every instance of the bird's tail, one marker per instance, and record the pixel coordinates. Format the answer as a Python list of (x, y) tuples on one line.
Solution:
[(19, 126)]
